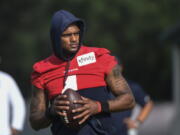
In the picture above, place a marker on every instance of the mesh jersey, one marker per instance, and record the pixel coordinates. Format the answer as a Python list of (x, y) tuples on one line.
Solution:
[(87, 69)]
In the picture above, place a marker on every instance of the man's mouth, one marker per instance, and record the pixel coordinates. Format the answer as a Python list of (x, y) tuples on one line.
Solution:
[(74, 45)]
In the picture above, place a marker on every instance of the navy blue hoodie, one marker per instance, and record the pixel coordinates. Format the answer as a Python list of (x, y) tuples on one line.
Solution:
[(60, 21)]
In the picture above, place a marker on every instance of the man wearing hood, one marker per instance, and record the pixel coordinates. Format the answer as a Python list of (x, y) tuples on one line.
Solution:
[(90, 71)]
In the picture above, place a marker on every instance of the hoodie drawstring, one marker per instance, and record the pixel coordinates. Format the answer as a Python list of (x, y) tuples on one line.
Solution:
[(66, 72)]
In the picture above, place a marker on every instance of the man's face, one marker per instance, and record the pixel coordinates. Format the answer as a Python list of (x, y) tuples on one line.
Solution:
[(70, 39)]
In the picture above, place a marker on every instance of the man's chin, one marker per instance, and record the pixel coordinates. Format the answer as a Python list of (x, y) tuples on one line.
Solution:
[(70, 51), (73, 50)]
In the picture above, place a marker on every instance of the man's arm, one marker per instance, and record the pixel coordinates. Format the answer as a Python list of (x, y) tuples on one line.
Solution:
[(124, 99), (142, 116), (15, 131), (40, 114), (145, 111), (38, 106), (18, 106)]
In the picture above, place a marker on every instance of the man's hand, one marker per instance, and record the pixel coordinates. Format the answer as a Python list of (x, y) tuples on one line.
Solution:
[(131, 123), (14, 131), (90, 107), (60, 105)]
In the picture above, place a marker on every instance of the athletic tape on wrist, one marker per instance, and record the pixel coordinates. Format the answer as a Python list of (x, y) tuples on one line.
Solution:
[(99, 106)]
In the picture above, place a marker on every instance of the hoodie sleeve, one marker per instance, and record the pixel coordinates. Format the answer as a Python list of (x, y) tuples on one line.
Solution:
[(106, 60), (141, 97)]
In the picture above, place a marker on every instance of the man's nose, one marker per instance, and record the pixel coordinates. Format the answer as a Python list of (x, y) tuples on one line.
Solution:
[(73, 37)]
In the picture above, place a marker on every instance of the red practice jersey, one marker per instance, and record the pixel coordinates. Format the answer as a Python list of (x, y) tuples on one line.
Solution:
[(87, 69)]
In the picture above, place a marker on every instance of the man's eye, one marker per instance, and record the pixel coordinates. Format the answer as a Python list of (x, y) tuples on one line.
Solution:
[(66, 35), (77, 33), (71, 34)]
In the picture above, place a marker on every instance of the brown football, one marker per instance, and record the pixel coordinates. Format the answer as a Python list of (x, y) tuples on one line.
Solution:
[(69, 121)]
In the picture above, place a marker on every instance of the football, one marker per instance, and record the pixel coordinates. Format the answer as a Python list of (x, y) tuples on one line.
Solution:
[(68, 120)]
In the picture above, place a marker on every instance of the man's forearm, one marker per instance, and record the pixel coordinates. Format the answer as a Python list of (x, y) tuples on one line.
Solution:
[(38, 106), (124, 98), (38, 120), (145, 111), (121, 103)]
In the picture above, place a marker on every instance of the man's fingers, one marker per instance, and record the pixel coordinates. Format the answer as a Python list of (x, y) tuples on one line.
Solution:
[(84, 98), (60, 108), (83, 101), (126, 120), (61, 102), (60, 97), (79, 102), (81, 109), (62, 113), (84, 119), (81, 115)]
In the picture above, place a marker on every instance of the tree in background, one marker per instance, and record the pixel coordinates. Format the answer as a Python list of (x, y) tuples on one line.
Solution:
[(130, 29)]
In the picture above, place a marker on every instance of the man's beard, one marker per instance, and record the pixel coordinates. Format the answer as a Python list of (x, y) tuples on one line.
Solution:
[(68, 54)]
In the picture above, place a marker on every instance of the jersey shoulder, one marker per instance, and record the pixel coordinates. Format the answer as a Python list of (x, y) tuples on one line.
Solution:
[(46, 64), (98, 51)]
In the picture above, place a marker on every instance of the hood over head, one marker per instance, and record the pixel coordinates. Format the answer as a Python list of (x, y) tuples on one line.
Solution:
[(60, 21)]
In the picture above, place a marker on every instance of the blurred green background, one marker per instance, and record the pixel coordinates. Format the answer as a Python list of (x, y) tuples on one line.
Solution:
[(130, 29)]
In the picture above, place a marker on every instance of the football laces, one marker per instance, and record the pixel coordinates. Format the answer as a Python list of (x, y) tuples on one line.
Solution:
[(65, 118)]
